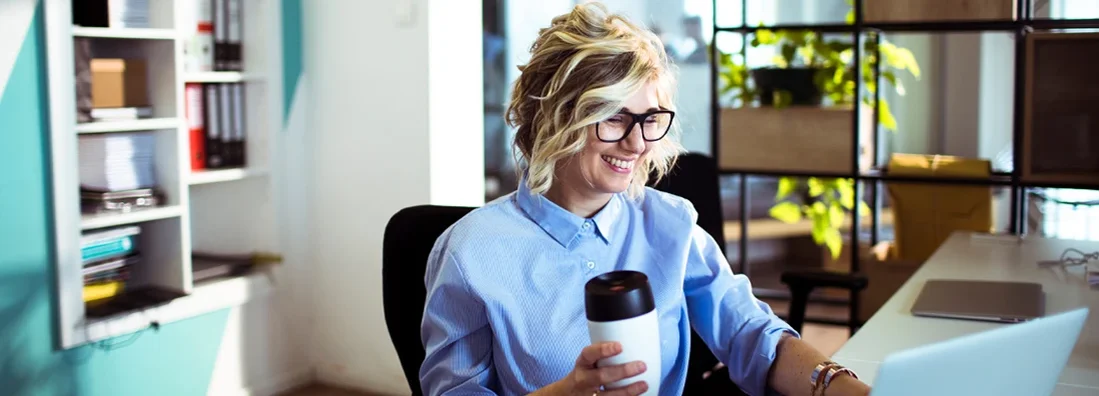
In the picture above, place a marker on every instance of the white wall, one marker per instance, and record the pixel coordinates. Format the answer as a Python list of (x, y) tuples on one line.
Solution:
[(392, 125)]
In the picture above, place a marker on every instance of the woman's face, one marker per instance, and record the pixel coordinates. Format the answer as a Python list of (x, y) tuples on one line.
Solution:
[(607, 168)]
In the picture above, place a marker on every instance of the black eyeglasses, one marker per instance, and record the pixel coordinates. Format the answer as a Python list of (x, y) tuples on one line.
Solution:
[(654, 125)]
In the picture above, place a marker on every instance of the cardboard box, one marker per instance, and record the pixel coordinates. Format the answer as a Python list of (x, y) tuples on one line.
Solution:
[(119, 83), (793, 139), (937, 10), (925, 215)]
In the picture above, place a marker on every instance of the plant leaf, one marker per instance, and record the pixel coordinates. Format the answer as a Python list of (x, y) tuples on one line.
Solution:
[(847, 195), (820, 226), (788, 52), (765, 37), (885, 116), (819, 208), (835, 213), (834, 241), (850, 18), (909, 61), (864, 209), (786, 185), (780, 61), (786, 212), (816, 187)]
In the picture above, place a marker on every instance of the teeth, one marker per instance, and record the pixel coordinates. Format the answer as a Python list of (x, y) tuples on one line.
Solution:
[(619, 163)]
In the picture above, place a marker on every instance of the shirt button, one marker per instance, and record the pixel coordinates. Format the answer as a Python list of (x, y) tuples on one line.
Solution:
[(591, 265), (587, 225)]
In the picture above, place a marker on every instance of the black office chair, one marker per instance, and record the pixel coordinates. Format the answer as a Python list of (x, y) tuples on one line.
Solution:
[(408, 239), (407, 242)]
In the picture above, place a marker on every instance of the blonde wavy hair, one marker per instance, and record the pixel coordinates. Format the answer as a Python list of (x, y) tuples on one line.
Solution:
[(582, 68)]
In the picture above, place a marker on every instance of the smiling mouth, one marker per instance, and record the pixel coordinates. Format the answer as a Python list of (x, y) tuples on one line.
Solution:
[(619, 165)]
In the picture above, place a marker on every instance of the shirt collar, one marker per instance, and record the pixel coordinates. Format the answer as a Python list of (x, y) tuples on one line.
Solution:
[(561, 224)]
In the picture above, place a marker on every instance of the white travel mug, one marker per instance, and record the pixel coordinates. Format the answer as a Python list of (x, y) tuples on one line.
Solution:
[(620, 308)]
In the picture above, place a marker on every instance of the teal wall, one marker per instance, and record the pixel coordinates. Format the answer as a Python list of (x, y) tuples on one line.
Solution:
[(177, 360)]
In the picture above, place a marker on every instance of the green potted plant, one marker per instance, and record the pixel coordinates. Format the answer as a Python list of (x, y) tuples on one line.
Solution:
[(826, 201)]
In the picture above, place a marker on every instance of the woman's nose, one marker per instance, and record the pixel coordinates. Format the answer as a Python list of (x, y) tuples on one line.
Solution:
[(635, 140)]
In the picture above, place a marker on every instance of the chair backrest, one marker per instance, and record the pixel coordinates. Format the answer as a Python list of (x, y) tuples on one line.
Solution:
[(408, 239), (695, 178)]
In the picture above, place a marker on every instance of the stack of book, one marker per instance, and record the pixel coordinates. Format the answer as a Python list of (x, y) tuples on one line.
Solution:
[(117, 171), (107, 257)]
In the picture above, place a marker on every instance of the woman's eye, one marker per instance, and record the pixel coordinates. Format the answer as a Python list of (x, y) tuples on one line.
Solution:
[(617, 120), (651, 120)]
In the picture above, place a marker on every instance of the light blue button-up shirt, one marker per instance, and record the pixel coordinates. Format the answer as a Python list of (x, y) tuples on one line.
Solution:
[(505, 294)]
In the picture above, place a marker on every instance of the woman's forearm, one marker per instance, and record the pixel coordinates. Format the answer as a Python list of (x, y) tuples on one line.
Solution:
[(794, 364)]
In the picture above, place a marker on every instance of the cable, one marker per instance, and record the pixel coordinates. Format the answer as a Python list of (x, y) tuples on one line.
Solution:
[(1083, 259), (1066, 261)]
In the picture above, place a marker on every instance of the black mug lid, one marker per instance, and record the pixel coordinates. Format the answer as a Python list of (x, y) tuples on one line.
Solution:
[(618, 295)]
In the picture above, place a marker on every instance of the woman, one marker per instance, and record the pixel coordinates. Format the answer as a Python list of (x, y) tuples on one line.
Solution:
[(504, 311)]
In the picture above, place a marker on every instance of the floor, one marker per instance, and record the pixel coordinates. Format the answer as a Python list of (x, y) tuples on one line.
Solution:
[(321, 390)]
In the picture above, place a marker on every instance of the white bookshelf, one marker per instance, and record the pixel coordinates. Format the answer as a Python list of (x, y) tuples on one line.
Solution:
[(228, 211)]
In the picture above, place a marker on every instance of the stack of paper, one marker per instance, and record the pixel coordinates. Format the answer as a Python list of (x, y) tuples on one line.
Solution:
[(128, 13), (1093, 274), (117, 162)]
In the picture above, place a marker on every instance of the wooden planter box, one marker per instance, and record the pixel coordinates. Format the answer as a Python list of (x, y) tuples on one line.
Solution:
[(937, 10), (1061, 109), (793, 139)]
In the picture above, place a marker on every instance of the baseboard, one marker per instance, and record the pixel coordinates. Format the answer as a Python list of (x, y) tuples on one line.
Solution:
[(276, 385)]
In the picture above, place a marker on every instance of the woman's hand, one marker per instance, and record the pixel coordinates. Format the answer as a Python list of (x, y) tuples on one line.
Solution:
[(586, 379)]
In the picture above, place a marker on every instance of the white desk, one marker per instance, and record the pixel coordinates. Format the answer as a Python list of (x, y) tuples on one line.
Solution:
[(981, 257)]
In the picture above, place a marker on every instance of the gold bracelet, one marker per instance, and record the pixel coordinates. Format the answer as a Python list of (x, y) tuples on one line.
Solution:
[(817, 378), (836, 369)]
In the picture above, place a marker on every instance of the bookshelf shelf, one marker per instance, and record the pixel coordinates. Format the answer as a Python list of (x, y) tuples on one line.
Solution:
[(217, 77), (91, 222), (227, 217), (207, 297), (125, 33), (223, 175), (148, 124)]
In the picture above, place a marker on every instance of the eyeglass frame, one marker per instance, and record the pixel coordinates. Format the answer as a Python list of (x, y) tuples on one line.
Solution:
[(638, 119)]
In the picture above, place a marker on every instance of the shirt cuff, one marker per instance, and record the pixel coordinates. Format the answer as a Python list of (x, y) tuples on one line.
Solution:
[(763, 357)]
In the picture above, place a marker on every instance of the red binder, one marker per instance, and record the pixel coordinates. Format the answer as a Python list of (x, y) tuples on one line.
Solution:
[(196, 125)]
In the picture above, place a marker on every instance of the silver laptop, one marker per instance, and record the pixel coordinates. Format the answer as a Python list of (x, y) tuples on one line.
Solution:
[(1024, 359), (1005, 302)]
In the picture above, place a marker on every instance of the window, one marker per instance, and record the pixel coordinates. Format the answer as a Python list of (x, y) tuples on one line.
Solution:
[(1075, 9)]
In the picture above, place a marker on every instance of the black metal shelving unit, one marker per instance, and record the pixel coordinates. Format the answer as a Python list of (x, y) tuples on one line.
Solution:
[(1024, 24)]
